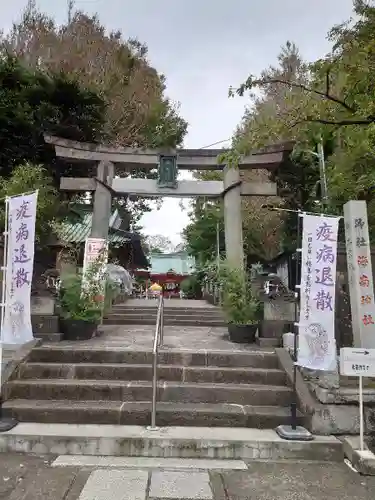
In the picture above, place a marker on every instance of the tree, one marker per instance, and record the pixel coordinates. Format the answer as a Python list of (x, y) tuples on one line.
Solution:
[(32, 103), (201, 233), (159, 244), (336, 102), (137, 113), (27, 178)]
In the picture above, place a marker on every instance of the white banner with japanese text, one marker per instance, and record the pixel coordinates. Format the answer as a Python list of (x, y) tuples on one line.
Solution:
[(16, 328), (316, 341)]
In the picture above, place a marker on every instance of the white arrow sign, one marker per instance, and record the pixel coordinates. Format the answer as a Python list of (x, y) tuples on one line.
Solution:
[(356, 362)]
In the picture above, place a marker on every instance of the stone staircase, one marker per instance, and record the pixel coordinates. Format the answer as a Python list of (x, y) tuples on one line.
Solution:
[(173, 315), (72, 384)]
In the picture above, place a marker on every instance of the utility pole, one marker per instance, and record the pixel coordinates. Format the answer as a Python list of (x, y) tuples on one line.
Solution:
[(218, 243), (322, 172), (323, 177)]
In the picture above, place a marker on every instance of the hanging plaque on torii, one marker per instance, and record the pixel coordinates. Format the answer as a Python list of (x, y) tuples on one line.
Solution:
[(167, 171)]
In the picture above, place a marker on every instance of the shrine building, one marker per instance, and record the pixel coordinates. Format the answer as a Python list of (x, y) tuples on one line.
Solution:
[(169, 270)]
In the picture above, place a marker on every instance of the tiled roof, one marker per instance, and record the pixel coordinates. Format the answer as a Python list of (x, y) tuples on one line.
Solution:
[(77, 232)]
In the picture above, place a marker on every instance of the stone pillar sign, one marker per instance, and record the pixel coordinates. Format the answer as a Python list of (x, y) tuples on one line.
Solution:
[(360, 276)]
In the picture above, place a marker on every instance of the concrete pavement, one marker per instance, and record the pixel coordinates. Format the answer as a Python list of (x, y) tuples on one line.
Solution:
[(42, 478)]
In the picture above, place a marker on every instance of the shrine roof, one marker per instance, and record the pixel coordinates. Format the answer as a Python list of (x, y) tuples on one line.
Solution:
[(77, 232), (178, 262)]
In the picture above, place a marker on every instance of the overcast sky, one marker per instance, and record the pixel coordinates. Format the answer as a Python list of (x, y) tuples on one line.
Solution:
[(203, 47)]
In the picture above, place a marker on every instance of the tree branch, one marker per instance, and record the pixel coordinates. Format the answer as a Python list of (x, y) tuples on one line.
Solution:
[(337, 123), (328, 82), (326, 95)]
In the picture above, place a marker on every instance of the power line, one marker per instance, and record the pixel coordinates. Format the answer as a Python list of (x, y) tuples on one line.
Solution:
[(214, 143)]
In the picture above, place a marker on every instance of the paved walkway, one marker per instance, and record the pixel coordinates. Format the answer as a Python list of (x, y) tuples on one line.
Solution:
[(175, 337), (181, 337), (41, 478)]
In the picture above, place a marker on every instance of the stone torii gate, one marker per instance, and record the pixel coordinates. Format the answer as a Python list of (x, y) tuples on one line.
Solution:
[(105, 184)]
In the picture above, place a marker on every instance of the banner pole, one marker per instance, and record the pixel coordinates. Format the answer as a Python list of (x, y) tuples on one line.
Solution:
[(6, 424), (3, 294), (293, 405), (294, 432)]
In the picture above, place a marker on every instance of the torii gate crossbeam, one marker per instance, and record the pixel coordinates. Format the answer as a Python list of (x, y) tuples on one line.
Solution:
[(231, 189)]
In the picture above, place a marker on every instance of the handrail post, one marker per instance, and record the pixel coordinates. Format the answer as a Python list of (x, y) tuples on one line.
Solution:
[(154, 392), (158, 340), (161, 342)]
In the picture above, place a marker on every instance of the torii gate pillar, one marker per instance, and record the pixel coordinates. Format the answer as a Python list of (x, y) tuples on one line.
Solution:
[(102, 200), (233, 217)]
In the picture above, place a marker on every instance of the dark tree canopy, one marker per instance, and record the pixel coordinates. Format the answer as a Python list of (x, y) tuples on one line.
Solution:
[(33, 103)]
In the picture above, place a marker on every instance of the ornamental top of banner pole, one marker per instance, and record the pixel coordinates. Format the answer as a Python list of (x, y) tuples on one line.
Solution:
[(6, 198), (304, 214)]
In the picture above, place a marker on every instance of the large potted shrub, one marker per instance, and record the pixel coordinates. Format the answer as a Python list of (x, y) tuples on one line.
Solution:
[(239, 304), (80, 309), (83, 302)]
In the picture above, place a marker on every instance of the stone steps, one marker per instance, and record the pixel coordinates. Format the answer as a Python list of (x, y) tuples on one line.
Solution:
[(139, 413), (73, 383), (167, 442), (168, 310), (178, 316), (167, 313), (49, 337), (176, 309), (124, 320), (111, 390), (170, 315), (71, 353), (141, 372)]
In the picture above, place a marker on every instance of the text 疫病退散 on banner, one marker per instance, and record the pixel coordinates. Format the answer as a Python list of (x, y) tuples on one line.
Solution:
[(16, 327), (316, 342)]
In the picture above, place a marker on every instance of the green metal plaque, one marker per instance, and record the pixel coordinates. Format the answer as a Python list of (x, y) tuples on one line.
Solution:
[(167, 172)]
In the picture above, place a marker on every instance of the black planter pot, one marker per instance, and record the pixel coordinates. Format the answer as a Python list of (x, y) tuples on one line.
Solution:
[(242, 334), (78, 329)]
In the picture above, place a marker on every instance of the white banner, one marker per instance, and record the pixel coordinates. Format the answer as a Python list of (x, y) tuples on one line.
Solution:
[(316, 342), (17, 328)]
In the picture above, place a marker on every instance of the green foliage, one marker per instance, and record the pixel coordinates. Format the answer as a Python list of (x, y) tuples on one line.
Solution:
[(201, 233), (238, 300), (81, 296), (26, 178), (33, 103), (77, 305), (206, 218), (331, 99), (75, 62), (191, 287)]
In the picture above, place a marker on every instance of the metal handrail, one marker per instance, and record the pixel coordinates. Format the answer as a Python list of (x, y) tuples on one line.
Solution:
[(158, 341)]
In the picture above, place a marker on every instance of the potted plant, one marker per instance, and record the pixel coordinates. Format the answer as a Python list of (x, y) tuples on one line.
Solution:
[(239, 304), (82, 303)]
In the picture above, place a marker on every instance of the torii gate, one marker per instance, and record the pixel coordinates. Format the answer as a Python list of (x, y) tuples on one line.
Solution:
[(105, 185)]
